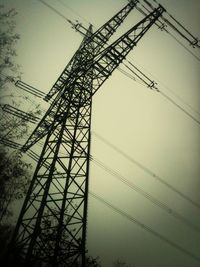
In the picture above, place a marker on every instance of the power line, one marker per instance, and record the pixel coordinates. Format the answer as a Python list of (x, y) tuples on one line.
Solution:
[(170, 90), (185, 47), (8, 78), (129, 75), (142, 192), (152, 85), (55, 10), (74, 25), (76, 13), (179, 107), (145, 227), (12, 128), (147, 170)]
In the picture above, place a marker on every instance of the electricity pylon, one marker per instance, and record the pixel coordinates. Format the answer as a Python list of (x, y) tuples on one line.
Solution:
[(51, 228)]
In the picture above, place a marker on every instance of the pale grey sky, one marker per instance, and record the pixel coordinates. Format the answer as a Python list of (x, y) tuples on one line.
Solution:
[(137, 120)]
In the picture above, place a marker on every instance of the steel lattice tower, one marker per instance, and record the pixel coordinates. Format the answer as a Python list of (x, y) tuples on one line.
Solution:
[(51, 228)]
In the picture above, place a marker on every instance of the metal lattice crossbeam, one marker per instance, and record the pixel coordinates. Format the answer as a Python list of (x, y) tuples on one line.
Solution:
[(20, 113), (99, 39), (10, 143), (29, 89)]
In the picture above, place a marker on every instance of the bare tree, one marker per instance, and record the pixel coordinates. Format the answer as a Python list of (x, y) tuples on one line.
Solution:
[(8, 40), (14, 171)]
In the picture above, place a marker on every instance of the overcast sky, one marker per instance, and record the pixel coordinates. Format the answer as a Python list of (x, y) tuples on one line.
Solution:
[(139, 121)]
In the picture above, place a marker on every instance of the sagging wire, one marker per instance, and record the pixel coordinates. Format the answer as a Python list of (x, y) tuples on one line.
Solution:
[(147, 170), (152, 85), (146, 195), (144, 226)]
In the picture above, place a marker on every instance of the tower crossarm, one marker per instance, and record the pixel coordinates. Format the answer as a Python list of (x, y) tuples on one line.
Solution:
[(109, 59), (99, 38), (103, 66), (169, 23), (26, 116)]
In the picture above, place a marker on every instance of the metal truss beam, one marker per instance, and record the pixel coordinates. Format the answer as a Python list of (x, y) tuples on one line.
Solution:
[(99, 38), (29, 89), (10, 143), (20, 113)]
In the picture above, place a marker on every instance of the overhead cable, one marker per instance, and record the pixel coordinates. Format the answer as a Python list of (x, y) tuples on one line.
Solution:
[(76, 26), (142, 192), (152, 85), (68, 7), (147, 170), (55, 10), (186, 48), (129, 75), (179, 107), (170, 90), (145, 227)]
